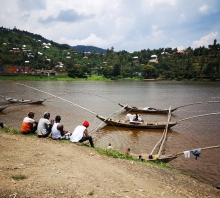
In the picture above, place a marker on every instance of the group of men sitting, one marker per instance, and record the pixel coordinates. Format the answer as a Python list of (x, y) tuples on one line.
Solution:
[(45, 127)]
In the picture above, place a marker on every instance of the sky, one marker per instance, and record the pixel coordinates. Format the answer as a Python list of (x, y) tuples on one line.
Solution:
[(130, 25)]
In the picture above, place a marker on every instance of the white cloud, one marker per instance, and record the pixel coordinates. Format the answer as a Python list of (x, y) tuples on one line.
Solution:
[(123, 24), (205, 40), (203, 8), (182, 18), (92, 39)]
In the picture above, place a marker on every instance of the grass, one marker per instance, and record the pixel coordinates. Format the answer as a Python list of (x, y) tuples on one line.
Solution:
[(18, 177), (60, 77), (91, 193), (108, 152)]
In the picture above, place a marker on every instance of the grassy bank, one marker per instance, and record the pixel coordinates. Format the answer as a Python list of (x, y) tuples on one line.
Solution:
[(108, 152), (60, 77)]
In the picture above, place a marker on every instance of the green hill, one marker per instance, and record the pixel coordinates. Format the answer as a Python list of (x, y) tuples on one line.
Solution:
[(22, 48), (87, 48)]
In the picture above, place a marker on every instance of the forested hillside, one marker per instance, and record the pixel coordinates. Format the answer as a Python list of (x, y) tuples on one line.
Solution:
[(19, 48)]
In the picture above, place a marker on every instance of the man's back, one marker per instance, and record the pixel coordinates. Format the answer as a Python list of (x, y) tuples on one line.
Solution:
[(77, 133)]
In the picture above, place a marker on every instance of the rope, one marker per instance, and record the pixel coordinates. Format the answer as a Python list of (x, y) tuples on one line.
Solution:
[(96, 95), (196, 103), (106, 119), (199, 116), (58, 98)]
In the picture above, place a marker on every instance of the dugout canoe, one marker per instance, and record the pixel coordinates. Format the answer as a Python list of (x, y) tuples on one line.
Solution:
[(12, 100), (135, 124), (146, 110)]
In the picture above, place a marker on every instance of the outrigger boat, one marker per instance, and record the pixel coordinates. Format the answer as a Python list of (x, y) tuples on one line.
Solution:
[(135, 124), (145, 109), (12, 100)]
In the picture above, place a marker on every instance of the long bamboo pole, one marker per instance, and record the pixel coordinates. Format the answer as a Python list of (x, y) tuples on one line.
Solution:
[(204, 148), (165, 135)]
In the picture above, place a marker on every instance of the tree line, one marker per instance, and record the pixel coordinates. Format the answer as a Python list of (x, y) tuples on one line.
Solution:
[(163, 63)]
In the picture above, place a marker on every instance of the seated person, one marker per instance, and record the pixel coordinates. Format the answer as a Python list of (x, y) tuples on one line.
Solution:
[(135, 118), (29, 125), (58, 133), (44, 126), (80, 134)]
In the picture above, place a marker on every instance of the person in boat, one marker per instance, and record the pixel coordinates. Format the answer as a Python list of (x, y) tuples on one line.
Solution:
[(80, 134), (58, 132), (29, 125), (44, 126)]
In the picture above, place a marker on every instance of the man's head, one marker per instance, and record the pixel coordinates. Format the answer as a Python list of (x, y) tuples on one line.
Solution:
[(85, 124), (57, 118), (46, 115), (31, 115)]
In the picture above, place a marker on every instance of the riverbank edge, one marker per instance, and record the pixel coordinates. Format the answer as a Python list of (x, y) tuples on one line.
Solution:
[(111, 154), (90, 78)]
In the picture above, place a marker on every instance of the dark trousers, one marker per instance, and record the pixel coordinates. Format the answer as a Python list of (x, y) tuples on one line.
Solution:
[(89, 138), (48, 131), (33, 129)]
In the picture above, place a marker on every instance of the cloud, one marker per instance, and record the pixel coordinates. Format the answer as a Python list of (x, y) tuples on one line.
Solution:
[(92, 39), (25, 17), (203, 8), (69, 16), (31, 5), (205, 40), (123, 24)]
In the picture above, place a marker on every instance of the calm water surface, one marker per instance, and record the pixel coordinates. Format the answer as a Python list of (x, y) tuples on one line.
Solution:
[(79, 101)]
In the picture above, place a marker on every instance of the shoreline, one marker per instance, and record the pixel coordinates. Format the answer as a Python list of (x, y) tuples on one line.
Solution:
[(63, 170)]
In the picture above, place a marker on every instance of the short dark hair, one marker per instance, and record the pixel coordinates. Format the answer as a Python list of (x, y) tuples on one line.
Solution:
[(31, 114), (57, 118)]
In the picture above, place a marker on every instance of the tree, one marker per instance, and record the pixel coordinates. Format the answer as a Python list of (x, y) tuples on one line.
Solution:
[(147, 71)]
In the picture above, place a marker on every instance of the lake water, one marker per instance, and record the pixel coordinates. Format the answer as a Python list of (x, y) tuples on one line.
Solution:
[(79, 101)]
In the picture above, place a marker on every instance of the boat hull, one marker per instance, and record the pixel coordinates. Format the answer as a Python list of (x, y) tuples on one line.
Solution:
[(139, 125), (142, 110), (11, 100)]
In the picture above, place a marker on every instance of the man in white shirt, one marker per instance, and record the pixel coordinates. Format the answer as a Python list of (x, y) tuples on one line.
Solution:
[(80, 134), (44, 126), (58, 132)]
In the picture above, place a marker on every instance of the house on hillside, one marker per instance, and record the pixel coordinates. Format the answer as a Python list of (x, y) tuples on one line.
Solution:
[(18, 70), (46, 72), (153, 59)]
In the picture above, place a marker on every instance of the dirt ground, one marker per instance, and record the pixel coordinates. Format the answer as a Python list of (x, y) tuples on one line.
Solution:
[(57, 169)]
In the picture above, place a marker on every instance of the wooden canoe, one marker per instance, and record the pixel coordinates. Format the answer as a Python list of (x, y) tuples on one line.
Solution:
[(12, 100), (135, 124), (146, 110)]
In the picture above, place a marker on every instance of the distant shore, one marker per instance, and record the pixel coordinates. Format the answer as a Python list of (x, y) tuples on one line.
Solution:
[(65, 77)]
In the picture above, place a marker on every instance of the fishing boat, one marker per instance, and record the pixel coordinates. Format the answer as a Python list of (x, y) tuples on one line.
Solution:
[(135, 124), (13, 100), (145, 109)]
